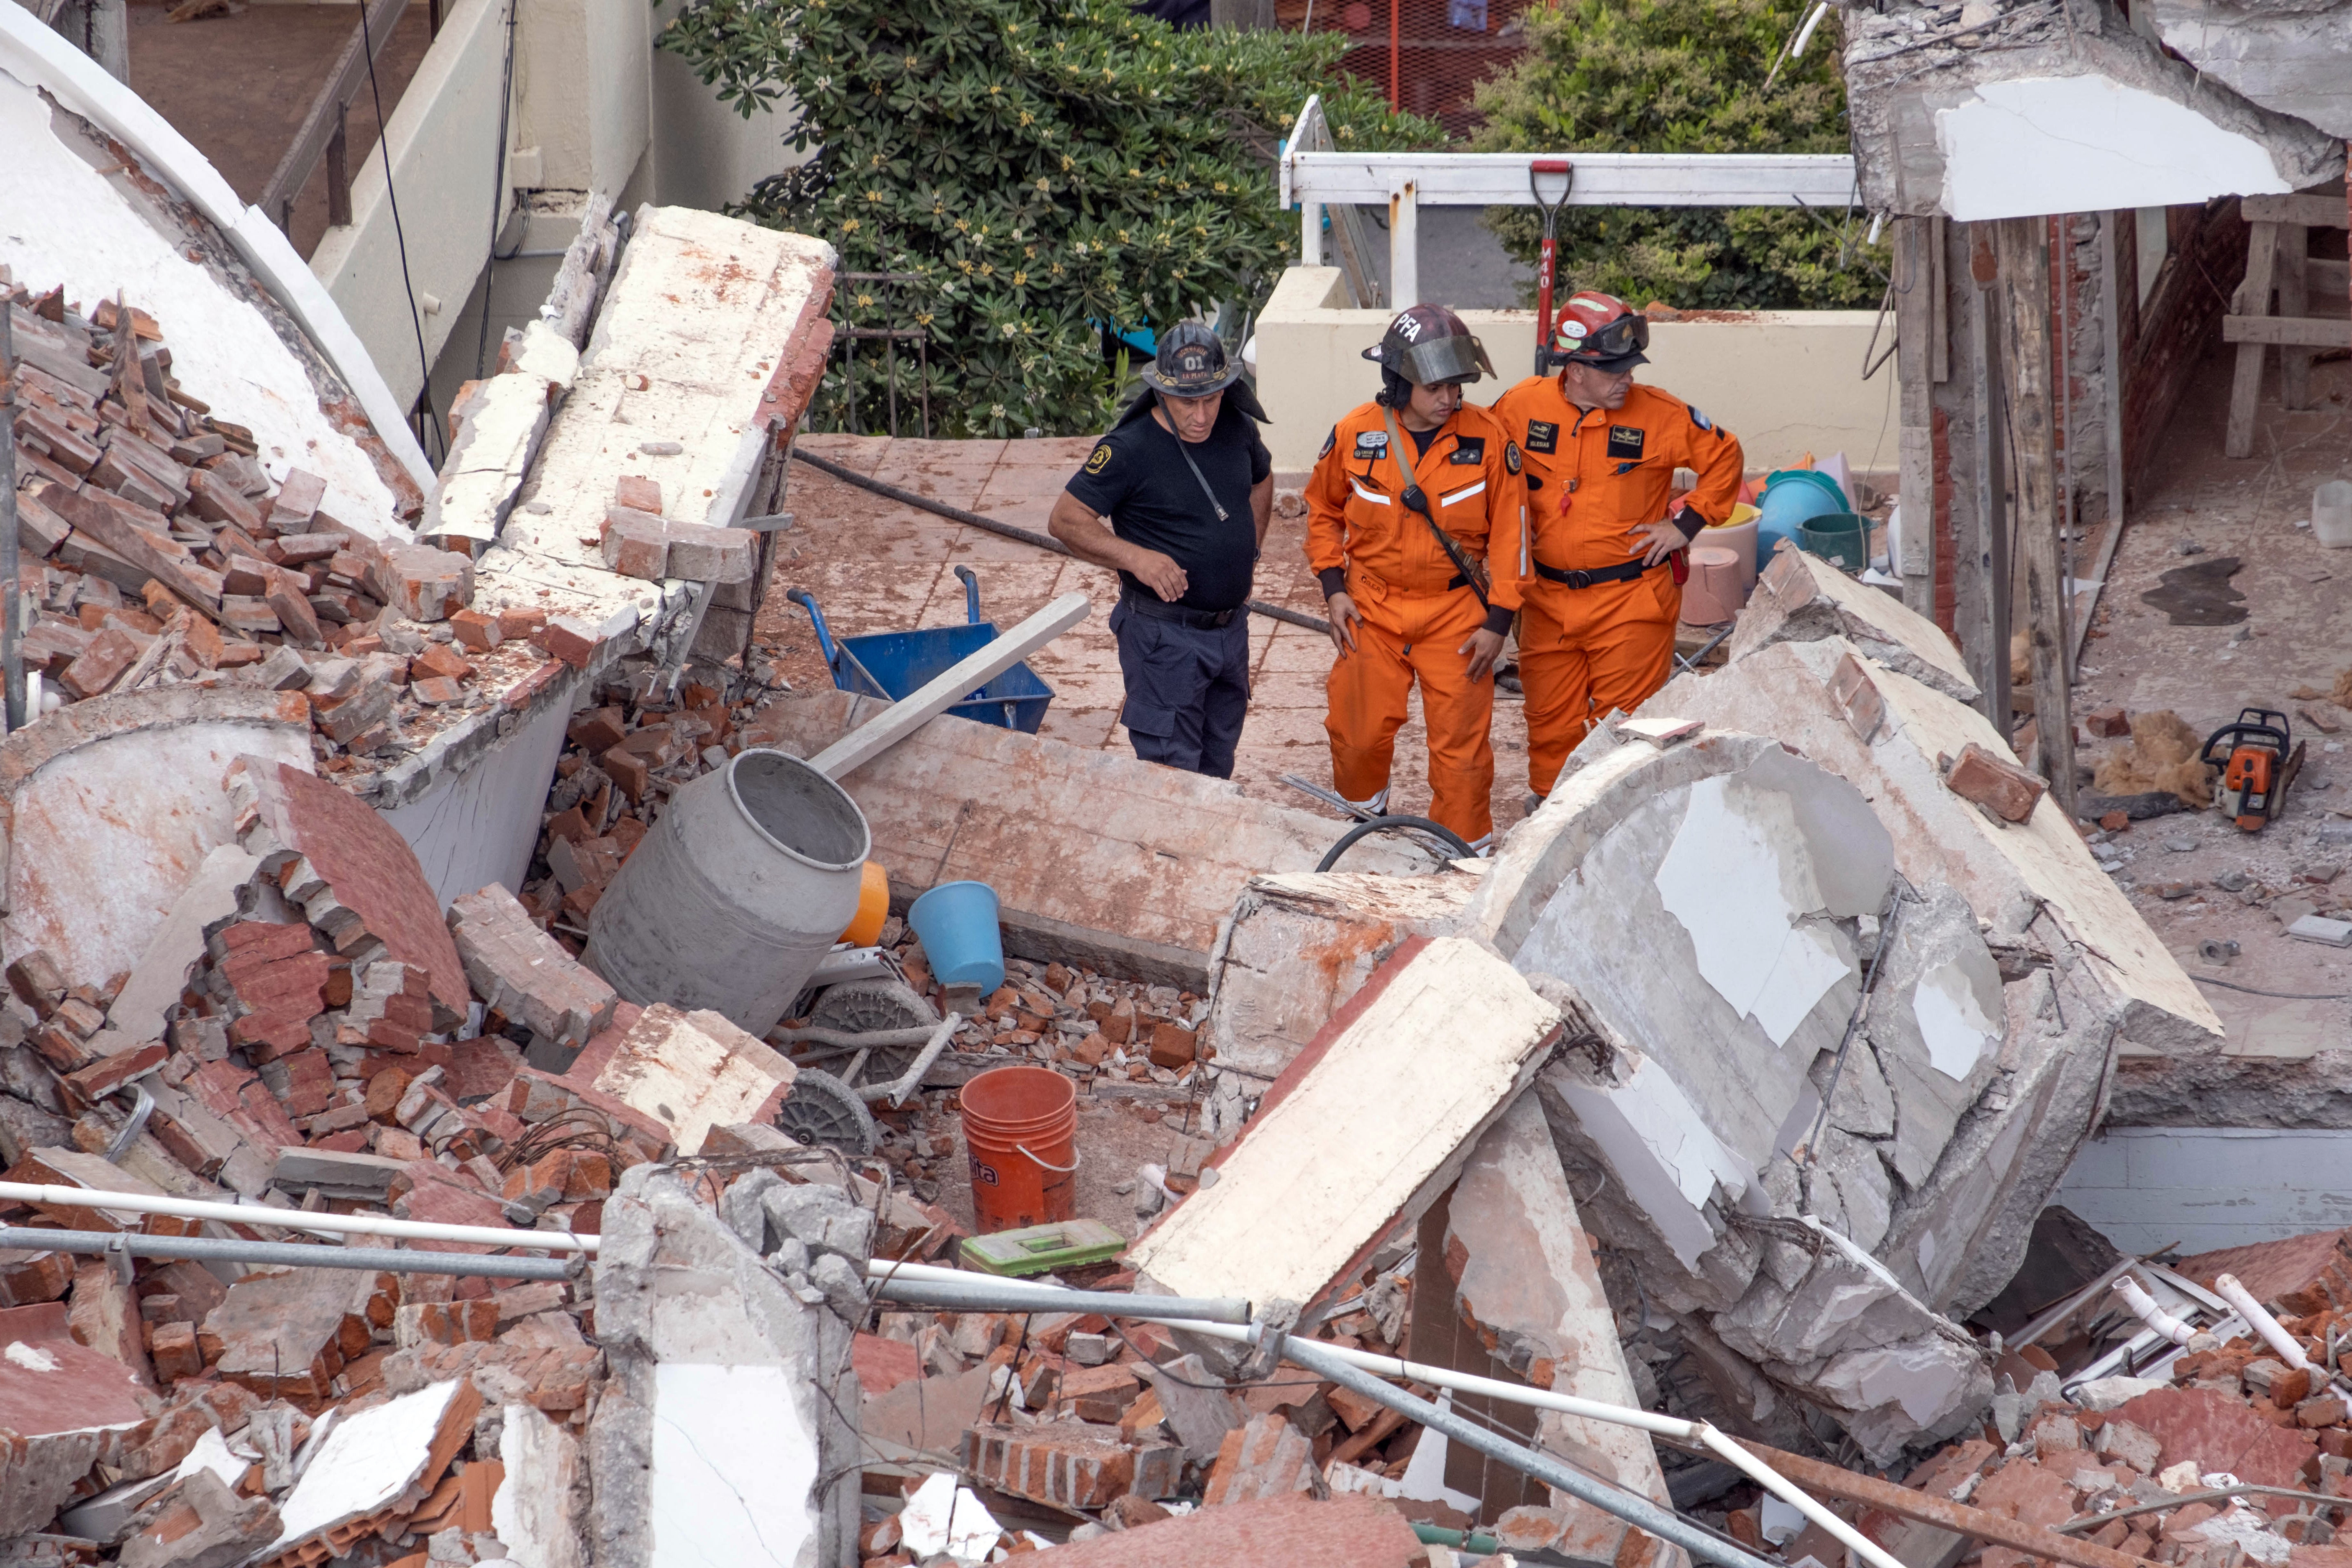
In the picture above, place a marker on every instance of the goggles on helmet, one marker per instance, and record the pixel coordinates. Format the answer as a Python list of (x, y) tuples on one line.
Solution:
[(1628, 334)]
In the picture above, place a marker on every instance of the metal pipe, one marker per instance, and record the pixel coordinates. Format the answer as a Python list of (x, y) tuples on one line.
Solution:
[(294, 1219), (1029, 1294), (2258, 1317), (981, 1293), (1633, 1508), (2143, 1307), (12, 653), (301, 1254), (905, 1083)]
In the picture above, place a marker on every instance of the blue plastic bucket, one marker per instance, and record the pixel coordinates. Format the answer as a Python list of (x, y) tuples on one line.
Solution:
[(956, 923), (1791, 499)]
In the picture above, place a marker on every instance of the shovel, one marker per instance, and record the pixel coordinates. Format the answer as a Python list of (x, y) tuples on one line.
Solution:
[(1547, 263)]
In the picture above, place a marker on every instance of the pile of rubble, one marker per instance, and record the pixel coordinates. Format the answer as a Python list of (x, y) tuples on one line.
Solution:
[(163, 552)]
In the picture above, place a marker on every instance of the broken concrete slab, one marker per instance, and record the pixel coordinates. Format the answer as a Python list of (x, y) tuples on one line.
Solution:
[(1417, 1064), (1516, 1295), (691, 1072), (1299, 944), (198, 1522), (2006, 875), (1800, 598), (499, 427), (216, 894), (285, 1333), (372, 1468), (125, 792), (719, 1418), (540, 1508), (62, 1406), (1099, 860), (1952, 114), (2291, 60)]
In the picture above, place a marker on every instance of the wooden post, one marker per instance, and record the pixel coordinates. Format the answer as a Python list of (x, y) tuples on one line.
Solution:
[(2294, 301), (2253, 300), (1988, 478), (2025, 254), (1916, 277)]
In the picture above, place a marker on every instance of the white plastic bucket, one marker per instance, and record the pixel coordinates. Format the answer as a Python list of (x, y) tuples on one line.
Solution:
[(2331, 514)]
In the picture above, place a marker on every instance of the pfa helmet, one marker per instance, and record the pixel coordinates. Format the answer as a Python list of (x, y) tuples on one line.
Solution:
[(1427, 345)]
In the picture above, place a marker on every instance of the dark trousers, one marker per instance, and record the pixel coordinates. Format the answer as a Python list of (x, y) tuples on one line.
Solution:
[(1187, 688)]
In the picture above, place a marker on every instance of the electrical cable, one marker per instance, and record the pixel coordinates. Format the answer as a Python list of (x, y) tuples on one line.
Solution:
[(1392, 824), (1009, 531), (497, 194), (400, 238), (2281, 996)]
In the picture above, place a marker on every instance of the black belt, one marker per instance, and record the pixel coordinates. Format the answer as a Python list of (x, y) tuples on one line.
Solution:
[(1161, 610), (1625, 573)]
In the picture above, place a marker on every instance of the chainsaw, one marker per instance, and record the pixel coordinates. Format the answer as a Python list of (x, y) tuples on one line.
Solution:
[(2258, 759)]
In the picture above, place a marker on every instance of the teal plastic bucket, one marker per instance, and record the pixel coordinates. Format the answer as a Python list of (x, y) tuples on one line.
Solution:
[(1840, 538), (956, 923), (1793, 498)]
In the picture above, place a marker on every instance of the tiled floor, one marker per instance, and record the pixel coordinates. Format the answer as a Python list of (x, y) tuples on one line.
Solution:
[(873, 565)]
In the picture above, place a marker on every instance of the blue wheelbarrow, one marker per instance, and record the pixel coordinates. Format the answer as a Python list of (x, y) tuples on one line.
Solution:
[(893, 665)]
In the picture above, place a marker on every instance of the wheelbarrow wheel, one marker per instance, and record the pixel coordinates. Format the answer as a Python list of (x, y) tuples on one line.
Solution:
[(874, 1006), (822, 1111)]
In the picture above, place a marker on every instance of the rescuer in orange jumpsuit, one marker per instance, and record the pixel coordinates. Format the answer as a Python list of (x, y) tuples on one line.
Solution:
[(1409, 594), (1597, 630)]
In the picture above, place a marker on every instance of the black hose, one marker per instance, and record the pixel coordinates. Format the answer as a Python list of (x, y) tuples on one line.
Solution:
[(1391, 825), (1012, 531)]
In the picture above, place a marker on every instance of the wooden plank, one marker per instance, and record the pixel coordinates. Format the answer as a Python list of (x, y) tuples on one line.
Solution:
[(2253, 296), (321, 124), (2316, 211), (2252, 333), (2024, 246), (2294, 303), (2034, 1540), (1355, 251)]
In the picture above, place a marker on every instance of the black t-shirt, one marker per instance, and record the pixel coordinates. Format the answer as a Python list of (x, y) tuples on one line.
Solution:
[(1136, 477)]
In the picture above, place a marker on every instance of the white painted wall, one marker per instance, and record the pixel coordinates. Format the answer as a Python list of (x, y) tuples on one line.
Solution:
[(583, 93), (479, 823), (1785, 382), (2208, 1188), (705, 154), (442, 140)]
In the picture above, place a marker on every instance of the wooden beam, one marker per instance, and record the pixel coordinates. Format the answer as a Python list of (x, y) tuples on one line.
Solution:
[(2317, 212), (2024, 249), (320, 126), (2034, 1540), (2254, 298), (1987, 481), (2252, 333), (2293, 301)]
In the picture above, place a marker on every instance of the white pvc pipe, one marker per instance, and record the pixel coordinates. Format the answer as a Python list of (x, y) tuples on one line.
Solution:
[(2273, 1334), (1398, 1368), (296, 1219), (2144, 1308), (1805, 34)]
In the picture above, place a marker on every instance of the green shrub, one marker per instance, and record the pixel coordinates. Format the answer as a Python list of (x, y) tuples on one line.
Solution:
[(1680, 76), (1045, 166)]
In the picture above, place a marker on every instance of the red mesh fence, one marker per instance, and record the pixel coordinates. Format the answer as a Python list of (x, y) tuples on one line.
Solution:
[(1423, 55)]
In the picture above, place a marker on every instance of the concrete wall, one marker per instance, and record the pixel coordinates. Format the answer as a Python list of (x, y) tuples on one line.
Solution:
[(441, 139), (597, 106), (1785, 382), (2208, 1188)]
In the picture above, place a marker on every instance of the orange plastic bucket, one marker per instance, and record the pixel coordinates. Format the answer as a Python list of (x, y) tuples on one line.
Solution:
[(872, 907), (1021, 1131)]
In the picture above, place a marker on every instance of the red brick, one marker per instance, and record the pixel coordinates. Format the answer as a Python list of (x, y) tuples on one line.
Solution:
[(1173, 1046), (522, 626), (269, 939), (440, 659), (2000, 786), (437, 690), (629, 771), (1100, 1395), (599, 729), (1067, 1465), (631, 491), (475, 630), (174, 1353), (102, 664), (569, 641), (636, 545), (104, 1076), (882, 1364), (271, 1035), (287, 984), (2108, 723), (2218, 1432), (1264, 1458), (1357, 1531), (310, 1083)]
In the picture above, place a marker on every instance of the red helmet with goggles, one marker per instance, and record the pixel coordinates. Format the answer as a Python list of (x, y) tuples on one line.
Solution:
[(1601, 330)]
